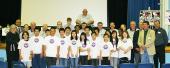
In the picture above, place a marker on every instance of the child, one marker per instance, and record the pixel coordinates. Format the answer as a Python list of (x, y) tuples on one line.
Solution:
[(51, 48), (25, 49), (37, 43), (64, 47), (74, 49), (94, 52), (106, 47), (84, 49), (114, 61), (125, 45)]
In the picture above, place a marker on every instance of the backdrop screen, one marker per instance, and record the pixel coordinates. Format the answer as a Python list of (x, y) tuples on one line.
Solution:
[(50, 11)]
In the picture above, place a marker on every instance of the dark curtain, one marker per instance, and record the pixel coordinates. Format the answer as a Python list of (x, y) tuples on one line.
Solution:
[(134, 7)]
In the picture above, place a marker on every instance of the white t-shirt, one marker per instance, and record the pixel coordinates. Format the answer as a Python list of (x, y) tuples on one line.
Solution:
[(75, 45), (51, 46), (25, 48), (64, 45), (86, 18), (106, 48), (36, 43), (115, 53), (95, 48), (85, 47), (102, 32), (125, 44)]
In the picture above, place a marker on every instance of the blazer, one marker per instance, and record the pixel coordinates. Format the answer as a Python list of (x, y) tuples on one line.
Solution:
[(150, 41)]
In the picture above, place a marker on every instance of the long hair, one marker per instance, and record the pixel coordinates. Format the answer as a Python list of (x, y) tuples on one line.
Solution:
[(72, 36), (85, 40), (126, 33), (111, 38), (26, 33)]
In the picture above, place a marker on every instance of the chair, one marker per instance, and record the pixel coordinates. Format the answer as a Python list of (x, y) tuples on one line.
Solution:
[(127, 65), (57, 66), (145, 65), (166, 65), (3, 64), (18, 64), (86, 66), (104, 66)]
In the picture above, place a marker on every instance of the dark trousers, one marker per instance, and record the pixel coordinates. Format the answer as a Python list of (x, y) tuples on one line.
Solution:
[(12, 56), (132, 56), (50, 61), (95, 62), (159, 56), (105, 61), (83, 60), (36, 61)]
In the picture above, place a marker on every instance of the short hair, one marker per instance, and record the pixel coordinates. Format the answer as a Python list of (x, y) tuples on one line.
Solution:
[(37, 28), (61, 29), (147, 22), (47, 30), (68, 28), (69, 19), (99, 23), (52, 28), (157, 21)]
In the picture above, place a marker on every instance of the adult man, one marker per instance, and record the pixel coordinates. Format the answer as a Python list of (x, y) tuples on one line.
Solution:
[(131, 32), (146, 42), (69, 23), (18, 24), (161, 39), (85, 17)]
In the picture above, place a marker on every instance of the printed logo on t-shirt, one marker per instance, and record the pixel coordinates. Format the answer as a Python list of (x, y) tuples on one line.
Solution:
[(114, 42), (62, 42), (105, 46), (36, 40), (73, 42), (51, 41), (26, 45), (93, 44), (124, 41)]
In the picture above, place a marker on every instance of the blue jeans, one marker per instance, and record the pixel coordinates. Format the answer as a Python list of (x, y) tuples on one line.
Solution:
[(74, 62), (114, 62), (36, 61), (145, 58), (63, 61)]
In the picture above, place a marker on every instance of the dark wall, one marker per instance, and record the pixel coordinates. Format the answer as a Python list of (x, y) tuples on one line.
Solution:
[(11, 10), (117, 11)]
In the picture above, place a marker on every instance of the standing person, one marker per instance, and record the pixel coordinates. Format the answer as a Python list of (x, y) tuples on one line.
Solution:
[(146, 42), (112, 27), (125, 45), (18, 24), (161, 40), (121, 30), (105, 52), (136, 48), (101, 29), (94, 52), (114, 60), (37, 43), (131, 32), (84, 49), (25, 52), (32, 28), (12, 39), (64, 48), (74, 49), (51, 48)]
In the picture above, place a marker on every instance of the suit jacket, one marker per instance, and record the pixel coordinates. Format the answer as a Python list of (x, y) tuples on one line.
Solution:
[(150, 41)]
